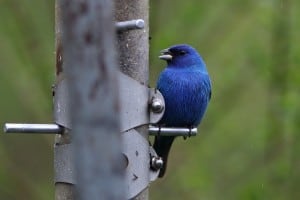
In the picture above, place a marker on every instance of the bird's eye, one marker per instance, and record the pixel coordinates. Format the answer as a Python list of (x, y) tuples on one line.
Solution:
[(182, 53)]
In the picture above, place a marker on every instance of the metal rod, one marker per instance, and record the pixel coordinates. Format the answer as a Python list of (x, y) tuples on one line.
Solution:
[(32, 128), (170, 131), (56, 129), (130, 25)]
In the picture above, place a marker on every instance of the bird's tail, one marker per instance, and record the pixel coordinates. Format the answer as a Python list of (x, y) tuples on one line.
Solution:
[(162, 146)]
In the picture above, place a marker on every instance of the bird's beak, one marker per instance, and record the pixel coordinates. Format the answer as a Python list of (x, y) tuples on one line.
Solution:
[(165, 54)]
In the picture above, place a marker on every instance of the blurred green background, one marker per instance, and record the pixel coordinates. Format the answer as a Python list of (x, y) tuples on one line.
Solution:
[(248, 145)]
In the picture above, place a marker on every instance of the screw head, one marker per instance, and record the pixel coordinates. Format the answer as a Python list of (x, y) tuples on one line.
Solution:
[(157, 105), (157, 163)]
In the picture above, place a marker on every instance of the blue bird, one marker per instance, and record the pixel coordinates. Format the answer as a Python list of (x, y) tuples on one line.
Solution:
[(186, 88)]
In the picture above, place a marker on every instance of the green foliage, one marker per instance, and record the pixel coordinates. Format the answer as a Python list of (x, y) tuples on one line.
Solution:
[(27, 71), (247, 147), (247, 144)]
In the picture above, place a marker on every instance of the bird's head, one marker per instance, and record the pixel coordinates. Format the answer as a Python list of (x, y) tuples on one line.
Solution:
[(182, 56)]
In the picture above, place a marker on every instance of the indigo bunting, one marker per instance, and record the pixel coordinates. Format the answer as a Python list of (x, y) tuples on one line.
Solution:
[(186, 88)]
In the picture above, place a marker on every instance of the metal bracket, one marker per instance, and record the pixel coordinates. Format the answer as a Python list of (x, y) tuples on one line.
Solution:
[(61, 105), (63, 163), (136, 99), (137, 153), (134, 112)]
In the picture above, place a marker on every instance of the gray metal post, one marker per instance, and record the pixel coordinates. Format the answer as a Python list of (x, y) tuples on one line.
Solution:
[(133, 45), (134, 52), (85, 57), (64, 189), (91, 73)]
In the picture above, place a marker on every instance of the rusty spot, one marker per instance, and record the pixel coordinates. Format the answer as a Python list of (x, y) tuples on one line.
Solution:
[(59, 59)]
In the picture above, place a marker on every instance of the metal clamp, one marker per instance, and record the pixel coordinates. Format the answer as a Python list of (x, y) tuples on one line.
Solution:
[(136, 150), (135, 105), (63, 163)]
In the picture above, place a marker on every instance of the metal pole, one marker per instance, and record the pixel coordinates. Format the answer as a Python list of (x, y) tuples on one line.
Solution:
[(64, 189), (134, 52), (133, 45), (91, 73)]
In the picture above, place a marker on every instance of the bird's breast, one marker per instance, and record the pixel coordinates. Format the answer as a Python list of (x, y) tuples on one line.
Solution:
[(186, 96)]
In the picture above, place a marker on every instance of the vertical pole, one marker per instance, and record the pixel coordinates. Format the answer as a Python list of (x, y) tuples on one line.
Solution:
[(91, 72), (133, 45), (64, 189), (134, 50)]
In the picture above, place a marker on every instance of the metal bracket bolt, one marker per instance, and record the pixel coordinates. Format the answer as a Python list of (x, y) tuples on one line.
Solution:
[(157, 105), (156, 163)]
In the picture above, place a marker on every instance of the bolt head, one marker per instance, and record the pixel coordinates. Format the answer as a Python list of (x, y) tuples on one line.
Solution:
[(157, 105), (157, 163)]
